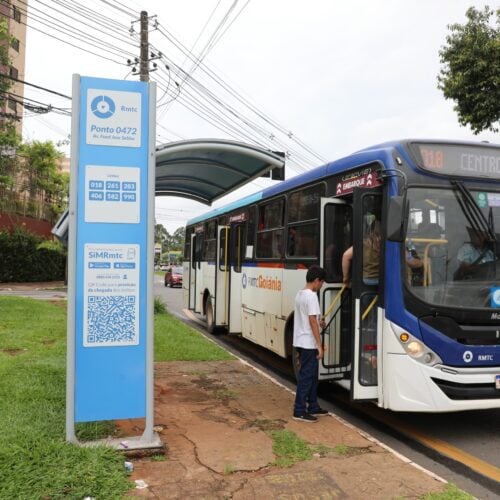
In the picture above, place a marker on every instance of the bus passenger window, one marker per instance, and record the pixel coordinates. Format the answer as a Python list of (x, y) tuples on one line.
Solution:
[(270, 244)]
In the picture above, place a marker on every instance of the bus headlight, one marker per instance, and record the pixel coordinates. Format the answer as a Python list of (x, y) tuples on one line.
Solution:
[(415, 349)]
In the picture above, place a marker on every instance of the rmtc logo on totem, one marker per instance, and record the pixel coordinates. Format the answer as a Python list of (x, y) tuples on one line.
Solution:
[(103, 106), (264, 282), (113, 118)]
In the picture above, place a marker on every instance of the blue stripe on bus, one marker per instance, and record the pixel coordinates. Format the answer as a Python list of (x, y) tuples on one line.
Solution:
[(248, 200), (332, 168)]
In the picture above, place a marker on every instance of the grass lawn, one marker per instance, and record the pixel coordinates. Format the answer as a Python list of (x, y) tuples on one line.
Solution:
[(35, 461)]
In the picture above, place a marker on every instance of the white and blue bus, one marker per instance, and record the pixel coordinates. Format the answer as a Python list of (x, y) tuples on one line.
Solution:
[(425, 335)]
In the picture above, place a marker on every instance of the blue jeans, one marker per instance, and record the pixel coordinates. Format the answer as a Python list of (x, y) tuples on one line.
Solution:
[(306, 398)]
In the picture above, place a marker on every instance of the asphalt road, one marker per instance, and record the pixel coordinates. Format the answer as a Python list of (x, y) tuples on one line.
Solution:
[(464, 448)]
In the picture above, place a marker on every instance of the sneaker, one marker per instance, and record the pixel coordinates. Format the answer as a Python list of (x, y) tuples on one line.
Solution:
[(307, 417), (319, 412)]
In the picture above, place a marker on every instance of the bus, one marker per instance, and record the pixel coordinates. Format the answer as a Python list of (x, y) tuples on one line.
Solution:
[(424, 336)]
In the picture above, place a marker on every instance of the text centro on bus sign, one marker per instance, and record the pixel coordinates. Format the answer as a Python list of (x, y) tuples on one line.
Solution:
[(113, 118)]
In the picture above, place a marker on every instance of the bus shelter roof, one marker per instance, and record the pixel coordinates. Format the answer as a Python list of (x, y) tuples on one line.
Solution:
[(207, 169), (202, 170)]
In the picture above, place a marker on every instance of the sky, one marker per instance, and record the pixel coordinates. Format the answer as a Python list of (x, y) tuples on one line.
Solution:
[(338, 75)]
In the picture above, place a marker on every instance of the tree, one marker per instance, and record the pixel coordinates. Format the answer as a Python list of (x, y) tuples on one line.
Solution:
[(177, 240), (161, 234), (471, 72), (42, 178)]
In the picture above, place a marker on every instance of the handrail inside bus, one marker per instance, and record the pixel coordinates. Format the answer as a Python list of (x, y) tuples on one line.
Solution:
[(369, 308), (428, 243), (334, 301)]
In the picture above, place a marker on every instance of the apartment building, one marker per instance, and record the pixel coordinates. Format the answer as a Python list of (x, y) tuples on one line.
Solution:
[(14, 12)]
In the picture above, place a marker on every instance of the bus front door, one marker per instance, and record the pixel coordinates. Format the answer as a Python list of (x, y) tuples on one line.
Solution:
[(236, 255), (335, 237), (366, 275), (192, 273), (222, 277)]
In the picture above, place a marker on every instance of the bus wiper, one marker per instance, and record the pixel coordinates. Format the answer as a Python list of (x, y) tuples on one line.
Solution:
[(474, 215)]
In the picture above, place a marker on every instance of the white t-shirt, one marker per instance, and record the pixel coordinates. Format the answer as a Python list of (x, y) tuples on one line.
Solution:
[(306, 304)]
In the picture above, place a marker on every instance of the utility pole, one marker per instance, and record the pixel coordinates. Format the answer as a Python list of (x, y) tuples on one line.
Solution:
[(144, 59)]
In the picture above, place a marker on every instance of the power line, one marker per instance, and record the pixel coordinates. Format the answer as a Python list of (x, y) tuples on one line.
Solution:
[(66, 30), (129, 13), (226, 87), (37, 87)]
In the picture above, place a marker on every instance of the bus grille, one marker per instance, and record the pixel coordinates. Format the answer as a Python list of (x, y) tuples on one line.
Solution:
[(467, 391)]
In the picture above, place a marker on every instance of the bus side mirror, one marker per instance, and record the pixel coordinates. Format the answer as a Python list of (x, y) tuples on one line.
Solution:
[(397, 218)]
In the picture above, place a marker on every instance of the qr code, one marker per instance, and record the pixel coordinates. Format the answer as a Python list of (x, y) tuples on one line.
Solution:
[(111, 320)]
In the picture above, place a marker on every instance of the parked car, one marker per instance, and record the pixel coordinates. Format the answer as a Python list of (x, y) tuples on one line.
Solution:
[(173, 276)]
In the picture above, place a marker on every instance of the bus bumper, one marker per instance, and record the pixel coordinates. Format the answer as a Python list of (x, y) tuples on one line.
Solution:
[(413, 386)]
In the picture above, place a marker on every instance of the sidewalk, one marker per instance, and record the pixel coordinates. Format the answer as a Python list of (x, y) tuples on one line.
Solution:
[(216, 419), (23, 287)]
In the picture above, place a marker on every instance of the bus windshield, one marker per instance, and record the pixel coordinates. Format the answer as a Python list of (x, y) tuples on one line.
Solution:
[(451, 246)]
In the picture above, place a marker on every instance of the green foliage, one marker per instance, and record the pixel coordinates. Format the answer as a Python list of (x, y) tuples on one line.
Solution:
[(159, 306), (175, 341), (28, 258), (289, 448), (451, 492), (470, 74), (169, 242), (43, 178), (160, 233)]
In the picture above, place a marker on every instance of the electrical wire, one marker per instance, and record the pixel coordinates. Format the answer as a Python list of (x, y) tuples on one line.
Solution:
[(244, 101), (65, 29)]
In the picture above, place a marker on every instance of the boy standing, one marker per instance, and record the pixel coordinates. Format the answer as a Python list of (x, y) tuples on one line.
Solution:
[(307, 341)]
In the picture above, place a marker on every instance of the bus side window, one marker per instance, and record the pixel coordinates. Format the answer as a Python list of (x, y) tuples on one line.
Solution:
[(270, 244)]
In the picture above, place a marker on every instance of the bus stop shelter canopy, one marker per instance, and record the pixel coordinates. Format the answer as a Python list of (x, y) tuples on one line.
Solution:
[(202, 170), (207, 169)]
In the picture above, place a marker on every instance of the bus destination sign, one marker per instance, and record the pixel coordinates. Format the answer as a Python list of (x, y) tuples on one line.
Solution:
[(458, 159)]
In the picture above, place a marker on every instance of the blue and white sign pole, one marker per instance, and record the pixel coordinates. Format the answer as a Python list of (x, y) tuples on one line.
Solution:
[(110, 253)]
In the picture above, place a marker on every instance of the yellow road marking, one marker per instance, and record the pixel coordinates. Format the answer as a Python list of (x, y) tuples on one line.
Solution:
[(476, 464)]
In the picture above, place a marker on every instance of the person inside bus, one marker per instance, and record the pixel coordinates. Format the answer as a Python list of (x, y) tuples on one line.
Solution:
[(371, 257), (471, 255), (416, 265), (291, 241), (307, 341)]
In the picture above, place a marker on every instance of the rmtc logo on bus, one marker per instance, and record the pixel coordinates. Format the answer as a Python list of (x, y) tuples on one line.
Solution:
[(113, 118), (263, 282)]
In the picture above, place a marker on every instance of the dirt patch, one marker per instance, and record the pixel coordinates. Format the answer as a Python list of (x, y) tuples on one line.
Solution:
[(267, 425), (13, 352), (60, 303)]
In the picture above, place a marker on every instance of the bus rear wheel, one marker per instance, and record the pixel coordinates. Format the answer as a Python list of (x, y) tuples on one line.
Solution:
[(209, 312)]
